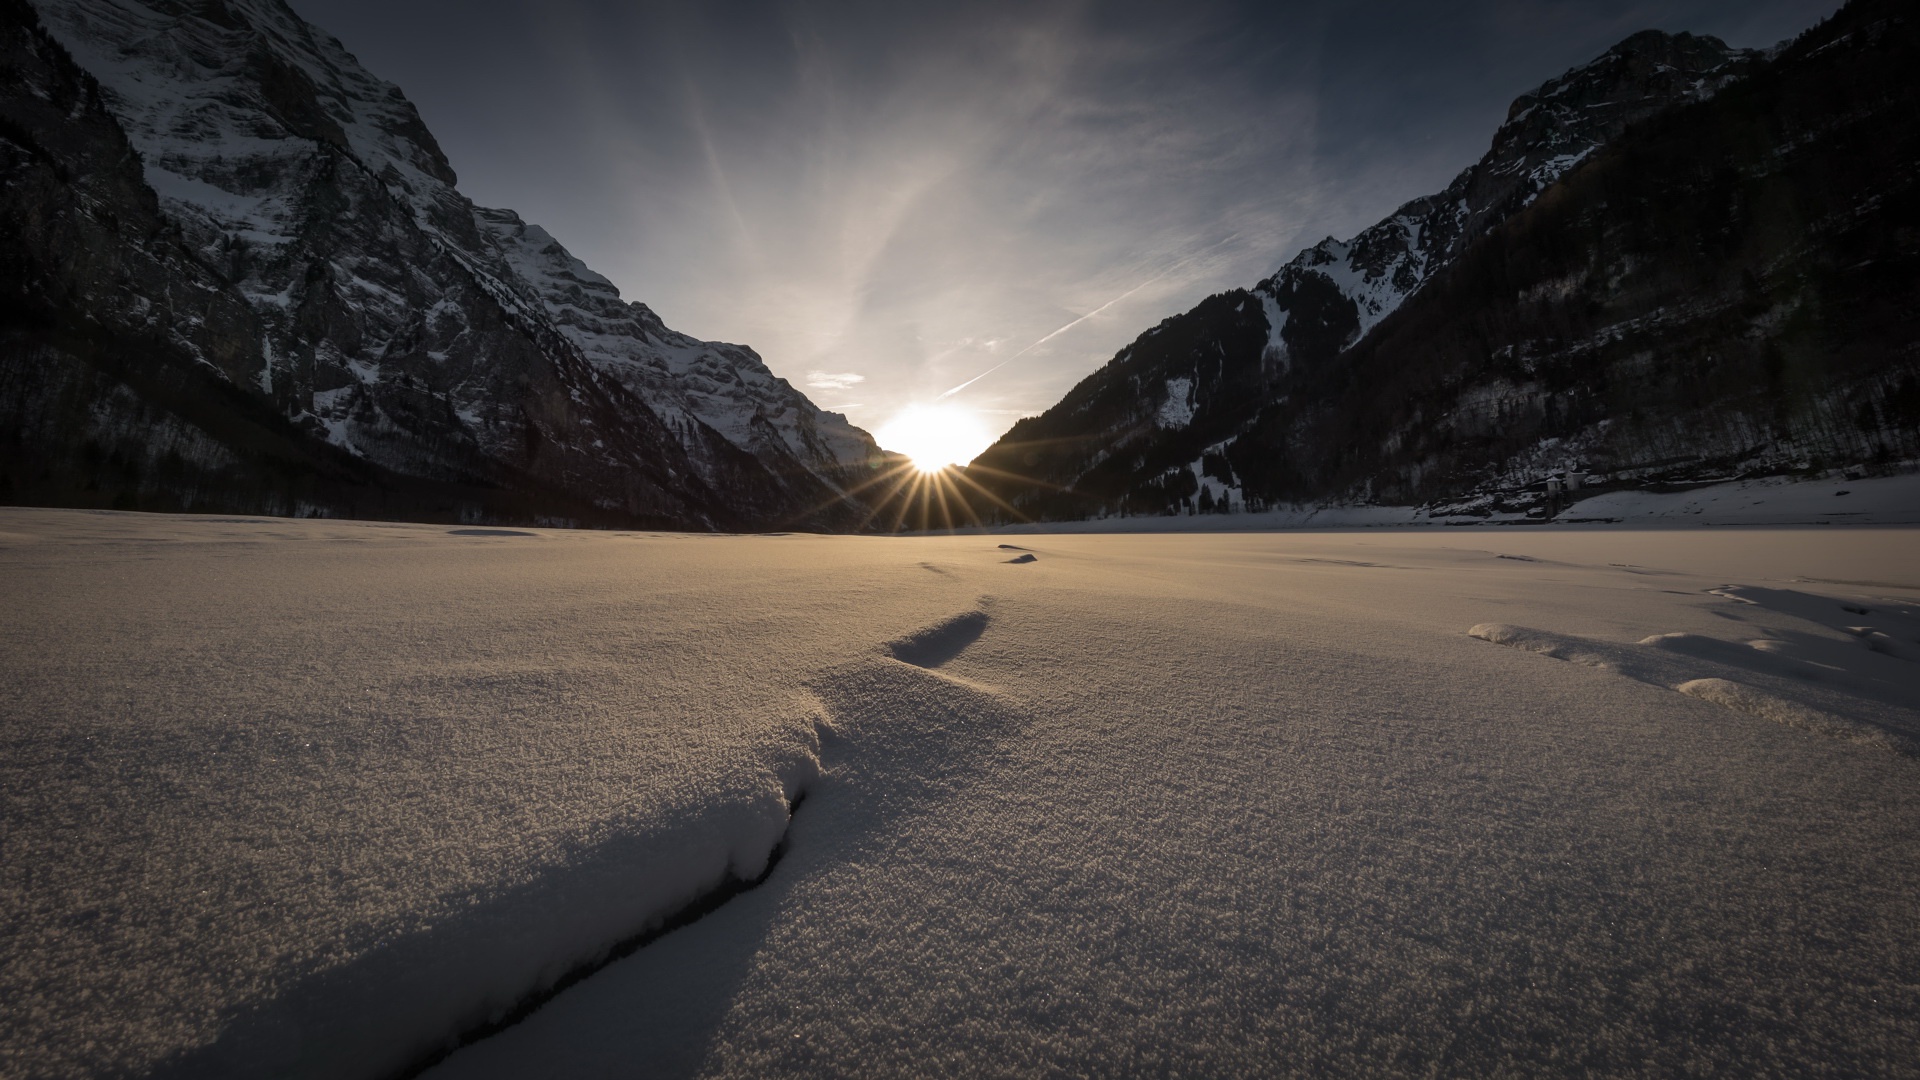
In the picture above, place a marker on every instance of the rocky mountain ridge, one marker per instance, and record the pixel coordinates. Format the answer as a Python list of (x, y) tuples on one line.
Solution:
[(1314, 386), (1342, 289), (308, 246)]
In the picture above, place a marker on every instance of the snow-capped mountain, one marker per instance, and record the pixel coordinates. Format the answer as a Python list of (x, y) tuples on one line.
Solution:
[(1637, 282), (690, 383), (384, 314), (1547, 132)]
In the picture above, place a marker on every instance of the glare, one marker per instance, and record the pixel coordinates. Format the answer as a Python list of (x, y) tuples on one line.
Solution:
[(935, 436)]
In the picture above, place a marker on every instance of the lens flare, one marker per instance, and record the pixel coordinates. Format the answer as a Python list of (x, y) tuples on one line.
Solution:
[(935, 436)]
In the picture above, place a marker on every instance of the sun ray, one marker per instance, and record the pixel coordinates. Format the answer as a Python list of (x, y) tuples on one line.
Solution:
[(961, 476)]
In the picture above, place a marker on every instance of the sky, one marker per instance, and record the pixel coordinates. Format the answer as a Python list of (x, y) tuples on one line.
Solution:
[(886, 200)]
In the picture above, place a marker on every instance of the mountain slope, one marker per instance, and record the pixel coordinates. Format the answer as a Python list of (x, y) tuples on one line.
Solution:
[(1732, 288), (342, 281), (1256, 396)]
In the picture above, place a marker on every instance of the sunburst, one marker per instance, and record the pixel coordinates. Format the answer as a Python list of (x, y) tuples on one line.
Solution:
[(935, 437)]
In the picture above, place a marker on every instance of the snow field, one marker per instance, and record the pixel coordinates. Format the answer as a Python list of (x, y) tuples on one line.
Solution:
[(1208, 804), (310, 799), (1252, 806)]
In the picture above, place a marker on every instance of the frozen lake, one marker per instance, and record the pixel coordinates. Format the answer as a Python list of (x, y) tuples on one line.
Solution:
[(317, 798)]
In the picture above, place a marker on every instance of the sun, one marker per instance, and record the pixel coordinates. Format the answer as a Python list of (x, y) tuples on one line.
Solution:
[(935, 436)]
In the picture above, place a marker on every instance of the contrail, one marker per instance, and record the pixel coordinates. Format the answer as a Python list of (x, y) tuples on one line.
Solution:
[(1177, 265)]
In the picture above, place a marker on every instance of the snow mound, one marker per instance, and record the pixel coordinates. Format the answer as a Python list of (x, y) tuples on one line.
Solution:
[(1560, 647), (1742, 698)]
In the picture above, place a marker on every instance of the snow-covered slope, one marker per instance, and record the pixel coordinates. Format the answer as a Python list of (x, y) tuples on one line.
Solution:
[(726, 387), (403, 324), (1350, 285)]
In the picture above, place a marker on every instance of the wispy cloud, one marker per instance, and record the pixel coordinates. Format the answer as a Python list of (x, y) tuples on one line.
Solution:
[(908, 197), (1096, 311)]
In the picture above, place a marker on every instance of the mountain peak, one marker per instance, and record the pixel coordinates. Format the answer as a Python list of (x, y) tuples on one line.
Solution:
[(1354, 284), (388, 317), (1676, 287)]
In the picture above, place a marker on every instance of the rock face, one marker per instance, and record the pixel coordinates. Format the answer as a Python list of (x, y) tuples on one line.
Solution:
[(1674, 207), (215, 195)]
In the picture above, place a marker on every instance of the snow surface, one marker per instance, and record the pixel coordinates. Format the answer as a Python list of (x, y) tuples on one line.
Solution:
[(308, 798), (1773, 501)]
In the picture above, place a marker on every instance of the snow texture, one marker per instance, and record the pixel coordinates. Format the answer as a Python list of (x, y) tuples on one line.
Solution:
[(313, 798)]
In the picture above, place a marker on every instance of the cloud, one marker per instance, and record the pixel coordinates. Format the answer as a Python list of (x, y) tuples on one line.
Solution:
[(928, 192), (833, 380)]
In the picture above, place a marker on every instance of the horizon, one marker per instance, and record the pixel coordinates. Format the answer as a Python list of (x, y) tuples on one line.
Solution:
[(981, 207)]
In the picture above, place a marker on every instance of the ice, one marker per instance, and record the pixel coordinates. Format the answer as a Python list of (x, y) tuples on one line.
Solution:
[(322, 798)]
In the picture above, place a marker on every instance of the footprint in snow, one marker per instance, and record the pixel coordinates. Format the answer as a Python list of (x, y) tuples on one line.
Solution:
[(935, 645)]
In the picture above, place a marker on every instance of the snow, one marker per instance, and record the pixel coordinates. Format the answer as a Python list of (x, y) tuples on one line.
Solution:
[(1885, 500), (310, 798), (1769, 501), (1276, 350), (1853, 692), (726, 387), (1375, 293), (1547, 172), (1177, 410), (232, 162)]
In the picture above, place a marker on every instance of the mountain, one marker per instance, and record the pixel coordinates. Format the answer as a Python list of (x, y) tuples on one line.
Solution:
[(1678, 262), (239, 275)]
